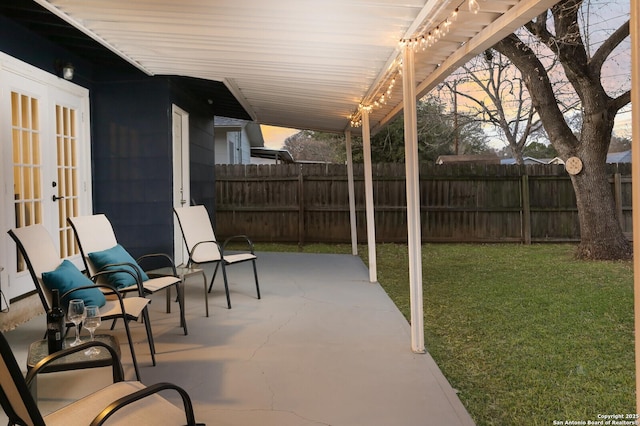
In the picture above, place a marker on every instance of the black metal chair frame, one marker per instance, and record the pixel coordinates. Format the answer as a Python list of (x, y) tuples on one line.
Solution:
[(26, 410)]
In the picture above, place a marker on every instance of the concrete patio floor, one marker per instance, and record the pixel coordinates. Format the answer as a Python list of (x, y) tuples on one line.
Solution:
[(324, 346)]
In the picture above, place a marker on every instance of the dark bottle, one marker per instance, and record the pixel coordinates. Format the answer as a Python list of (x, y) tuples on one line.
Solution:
[(55, 324)]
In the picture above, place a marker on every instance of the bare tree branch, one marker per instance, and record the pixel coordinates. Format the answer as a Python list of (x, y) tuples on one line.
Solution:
[(620, 102), (538, 84), (608, 46)]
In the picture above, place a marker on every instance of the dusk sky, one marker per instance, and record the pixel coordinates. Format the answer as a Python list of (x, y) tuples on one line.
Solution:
[(274, 136)]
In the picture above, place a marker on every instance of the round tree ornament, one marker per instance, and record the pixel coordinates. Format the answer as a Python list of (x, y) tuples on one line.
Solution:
[(573, 165)]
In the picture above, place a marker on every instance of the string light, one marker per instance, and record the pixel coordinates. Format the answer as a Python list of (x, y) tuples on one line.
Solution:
[(379, 101), (418, 42), (434, 34)]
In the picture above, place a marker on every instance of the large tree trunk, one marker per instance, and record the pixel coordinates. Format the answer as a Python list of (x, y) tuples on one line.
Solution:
[(601, 236), (600, 233)]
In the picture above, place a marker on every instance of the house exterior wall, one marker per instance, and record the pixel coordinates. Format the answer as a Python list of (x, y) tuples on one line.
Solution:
[(132, 162), (221, 150), (245, 148), (131, 147), (232, 146), (234, 139)]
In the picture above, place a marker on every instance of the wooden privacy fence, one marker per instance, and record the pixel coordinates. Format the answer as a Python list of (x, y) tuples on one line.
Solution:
[(459, 203)]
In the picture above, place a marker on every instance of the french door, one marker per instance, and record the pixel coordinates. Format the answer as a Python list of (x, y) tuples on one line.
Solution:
[(45, 161)]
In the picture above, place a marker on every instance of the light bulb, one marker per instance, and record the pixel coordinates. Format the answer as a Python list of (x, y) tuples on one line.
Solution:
[(474, 7), (423, 43)]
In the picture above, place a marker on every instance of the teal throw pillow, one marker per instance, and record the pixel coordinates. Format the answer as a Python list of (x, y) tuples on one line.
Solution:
[(67, 277), (117, 254)]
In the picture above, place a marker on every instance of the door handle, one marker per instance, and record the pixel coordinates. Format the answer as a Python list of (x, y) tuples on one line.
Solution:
[(55, 198)]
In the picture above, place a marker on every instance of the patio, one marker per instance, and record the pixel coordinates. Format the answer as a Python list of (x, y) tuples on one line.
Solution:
[(323, 346)]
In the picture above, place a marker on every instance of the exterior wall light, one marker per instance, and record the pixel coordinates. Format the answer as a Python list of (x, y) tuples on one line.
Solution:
[(67, 71), (64, 69)]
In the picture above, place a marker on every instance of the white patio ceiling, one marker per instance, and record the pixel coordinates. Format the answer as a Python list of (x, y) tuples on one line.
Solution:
[(304, 64)]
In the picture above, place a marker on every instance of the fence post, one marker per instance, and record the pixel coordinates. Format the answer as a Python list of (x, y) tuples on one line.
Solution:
[(352, 196), (526, 209), (617, 194), (300, 206)]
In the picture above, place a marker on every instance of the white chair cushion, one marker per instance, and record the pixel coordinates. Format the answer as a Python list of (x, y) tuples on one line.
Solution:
[(240, 257), (205, 252), (152, 410), (132, 305), (159, 283)]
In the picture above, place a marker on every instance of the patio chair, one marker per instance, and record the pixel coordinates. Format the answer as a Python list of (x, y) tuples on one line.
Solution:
[(203, 246), (120, 403), (101, 251), (41, 256)]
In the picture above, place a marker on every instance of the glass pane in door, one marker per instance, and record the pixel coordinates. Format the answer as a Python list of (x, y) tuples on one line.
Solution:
[(67, 175), (25, 134)]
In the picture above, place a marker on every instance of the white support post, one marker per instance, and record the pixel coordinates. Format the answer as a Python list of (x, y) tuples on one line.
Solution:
[(413, 201), (635, 176), (352, 198), (368, 193)]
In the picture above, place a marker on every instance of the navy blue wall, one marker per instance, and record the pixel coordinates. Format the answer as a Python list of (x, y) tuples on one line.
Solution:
[(18, 42), (132, 162), (201, 153)]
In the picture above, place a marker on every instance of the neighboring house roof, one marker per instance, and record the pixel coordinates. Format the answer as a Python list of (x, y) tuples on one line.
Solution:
[(612, 157), (281, 155), (228, 122), (254, 132), (619, 157), (479, 158), (527, 160)]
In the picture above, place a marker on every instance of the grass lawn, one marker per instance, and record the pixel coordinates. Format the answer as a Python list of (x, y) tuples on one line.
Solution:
[(526, 334)]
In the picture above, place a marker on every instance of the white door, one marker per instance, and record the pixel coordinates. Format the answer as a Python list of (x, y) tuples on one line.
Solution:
[(45, 161), (181, 192)]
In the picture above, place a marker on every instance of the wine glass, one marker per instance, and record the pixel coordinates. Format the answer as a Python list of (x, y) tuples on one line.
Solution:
[(76, 314), (91, 322)]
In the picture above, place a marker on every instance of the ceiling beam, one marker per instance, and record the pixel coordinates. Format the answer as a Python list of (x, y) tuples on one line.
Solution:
[(237, 93)]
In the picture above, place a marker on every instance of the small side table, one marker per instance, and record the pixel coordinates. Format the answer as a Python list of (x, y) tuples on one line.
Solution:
[(183, 272), (39, 350)]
